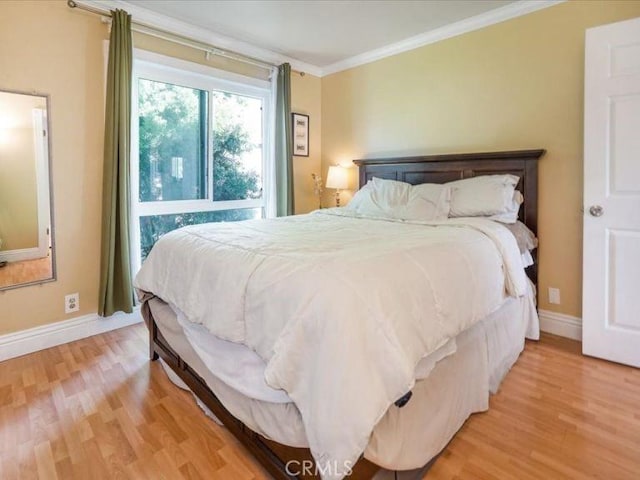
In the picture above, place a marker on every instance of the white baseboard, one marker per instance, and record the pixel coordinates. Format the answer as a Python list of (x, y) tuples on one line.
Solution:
[(22, 254), (560, 324), (38, 338)]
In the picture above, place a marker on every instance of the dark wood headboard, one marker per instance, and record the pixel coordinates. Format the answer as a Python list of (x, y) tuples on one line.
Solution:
[(456, 166)]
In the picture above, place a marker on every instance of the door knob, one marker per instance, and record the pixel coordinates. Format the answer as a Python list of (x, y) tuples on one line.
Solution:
[(596, 211)]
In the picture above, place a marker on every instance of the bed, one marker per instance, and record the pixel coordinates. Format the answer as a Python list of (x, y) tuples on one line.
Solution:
[(274, 430)]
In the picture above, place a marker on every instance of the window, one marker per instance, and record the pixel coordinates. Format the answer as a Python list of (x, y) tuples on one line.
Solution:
[(199, 151), (172, 128)]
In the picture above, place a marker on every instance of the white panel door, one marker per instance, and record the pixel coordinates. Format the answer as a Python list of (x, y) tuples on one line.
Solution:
[(611, 263)]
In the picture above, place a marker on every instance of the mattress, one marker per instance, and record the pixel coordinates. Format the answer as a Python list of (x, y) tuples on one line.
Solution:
[(404, 438)]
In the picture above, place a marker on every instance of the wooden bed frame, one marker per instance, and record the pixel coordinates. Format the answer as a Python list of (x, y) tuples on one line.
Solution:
[(420, 169)]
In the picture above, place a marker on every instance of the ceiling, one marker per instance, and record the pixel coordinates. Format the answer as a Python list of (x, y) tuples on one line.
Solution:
[(321, 33)]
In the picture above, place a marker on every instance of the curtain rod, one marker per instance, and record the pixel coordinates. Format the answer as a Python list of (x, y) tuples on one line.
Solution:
[(179, 39)]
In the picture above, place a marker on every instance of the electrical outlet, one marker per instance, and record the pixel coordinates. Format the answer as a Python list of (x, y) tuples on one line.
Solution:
[(554, 296), (71, 303)]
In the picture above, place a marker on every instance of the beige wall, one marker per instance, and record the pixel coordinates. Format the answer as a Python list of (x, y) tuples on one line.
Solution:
[(18, 171), (305, 98), (165, 47), (46, 47), (514, 85), (49, 48), (18, 190)]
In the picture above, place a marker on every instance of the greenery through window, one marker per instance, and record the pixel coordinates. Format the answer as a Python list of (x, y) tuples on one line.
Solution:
[(237, 147), (173, 141), (200, 154), (154, 226)]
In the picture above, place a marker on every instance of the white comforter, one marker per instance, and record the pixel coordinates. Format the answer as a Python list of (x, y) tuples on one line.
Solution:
[(340, 308)]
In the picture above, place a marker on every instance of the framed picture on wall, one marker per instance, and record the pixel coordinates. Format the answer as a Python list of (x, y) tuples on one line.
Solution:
[(300, 134)]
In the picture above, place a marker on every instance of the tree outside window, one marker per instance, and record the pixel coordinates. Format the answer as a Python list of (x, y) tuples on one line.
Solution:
[(173, 153)]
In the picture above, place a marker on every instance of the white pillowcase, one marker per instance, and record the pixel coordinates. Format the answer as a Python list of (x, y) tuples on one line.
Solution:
[(382, 198), (492, 196), (427, 202), (510, 215)]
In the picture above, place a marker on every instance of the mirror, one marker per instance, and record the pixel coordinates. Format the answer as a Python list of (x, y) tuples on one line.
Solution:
[(26, 234)]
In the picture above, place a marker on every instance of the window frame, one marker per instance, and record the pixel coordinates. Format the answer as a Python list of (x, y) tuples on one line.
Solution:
[(160, 68)]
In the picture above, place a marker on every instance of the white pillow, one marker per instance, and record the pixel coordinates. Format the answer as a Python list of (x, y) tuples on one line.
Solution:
[(390, 193), (485, 196), (510, 215), (401, 201), (427, 202), (360, 197), (379, 202)]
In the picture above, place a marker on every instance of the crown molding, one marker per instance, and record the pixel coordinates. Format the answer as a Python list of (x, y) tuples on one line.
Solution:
[(178, 27), (149, 18), (477, 22)]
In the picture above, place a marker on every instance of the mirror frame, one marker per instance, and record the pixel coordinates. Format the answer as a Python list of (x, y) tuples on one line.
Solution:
[(54, 272)]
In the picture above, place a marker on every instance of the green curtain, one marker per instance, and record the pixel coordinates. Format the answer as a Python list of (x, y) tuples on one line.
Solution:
[(284, 159), (116, 291)]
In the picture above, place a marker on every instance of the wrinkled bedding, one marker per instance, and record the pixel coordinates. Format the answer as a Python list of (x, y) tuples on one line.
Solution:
[(340, 308), (242, 369)]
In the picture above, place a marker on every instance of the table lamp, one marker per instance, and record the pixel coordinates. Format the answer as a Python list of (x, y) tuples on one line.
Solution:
[(338, 178)]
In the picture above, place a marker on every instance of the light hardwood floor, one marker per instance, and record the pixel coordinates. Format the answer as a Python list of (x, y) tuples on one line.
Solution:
[(97, 408), (26, 271)]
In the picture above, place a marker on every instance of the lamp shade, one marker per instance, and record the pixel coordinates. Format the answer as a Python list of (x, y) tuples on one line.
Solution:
[(338, 177)]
